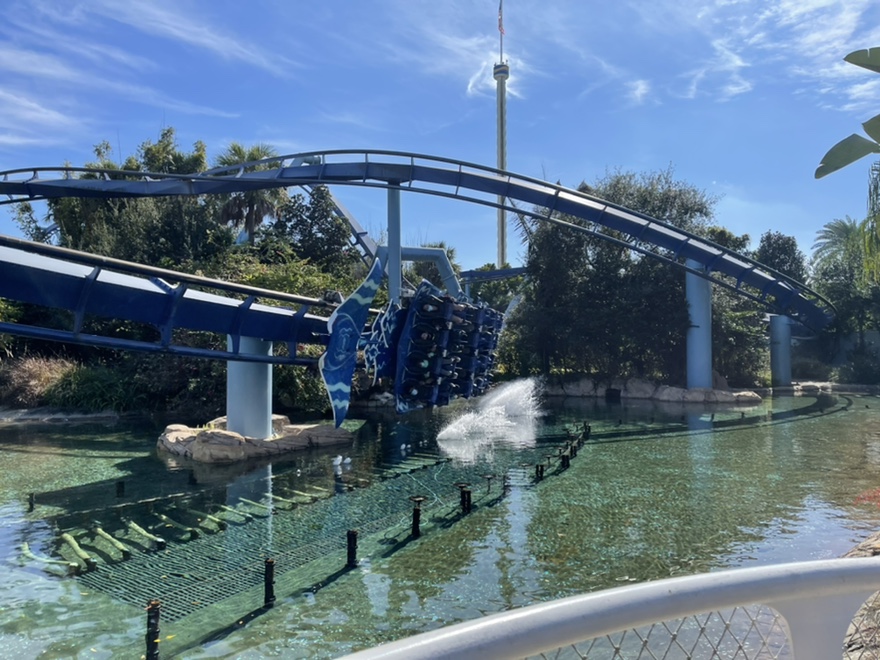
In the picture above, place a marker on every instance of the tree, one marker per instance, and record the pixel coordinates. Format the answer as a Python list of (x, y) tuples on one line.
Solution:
[(657, 194), (497, 294), (158, 231), (594, 306), (165, 157), (838, 240), (781, 253), (556, 264), (246, 210), (739, 334), (313, 231), (839, 273), (417, 271), (726, 238)]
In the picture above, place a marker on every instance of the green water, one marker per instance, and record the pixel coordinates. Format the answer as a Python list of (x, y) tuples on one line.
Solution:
[(659, 491)]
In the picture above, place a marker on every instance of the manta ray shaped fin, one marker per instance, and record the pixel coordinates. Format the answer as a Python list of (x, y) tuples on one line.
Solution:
[(345, 326)]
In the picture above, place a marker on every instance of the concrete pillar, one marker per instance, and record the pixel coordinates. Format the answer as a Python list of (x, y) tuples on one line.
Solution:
[(394, 262), (698, 292), (780, 350), (249, 391)]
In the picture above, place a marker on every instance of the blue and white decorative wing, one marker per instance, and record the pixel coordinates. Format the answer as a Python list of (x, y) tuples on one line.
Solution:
[(380, 347), (345, 325)]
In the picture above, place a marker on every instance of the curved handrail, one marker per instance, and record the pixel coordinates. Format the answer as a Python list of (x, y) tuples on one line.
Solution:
[(449, 178), (817, 599)]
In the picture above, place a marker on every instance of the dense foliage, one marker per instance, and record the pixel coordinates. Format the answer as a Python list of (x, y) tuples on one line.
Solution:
[(595, 306), (586, 305), (295, 243)]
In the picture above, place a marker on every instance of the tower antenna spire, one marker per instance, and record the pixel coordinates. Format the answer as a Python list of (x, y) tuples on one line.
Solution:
[(501, 73), (500, 30)]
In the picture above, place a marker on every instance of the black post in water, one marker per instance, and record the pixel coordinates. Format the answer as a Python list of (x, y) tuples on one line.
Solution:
[(416, 519), (32, 501), (417, 514), (120, 489), (488, 478), (351, 542), (152, 636), (269, 584), (461, 485), (467, 500)]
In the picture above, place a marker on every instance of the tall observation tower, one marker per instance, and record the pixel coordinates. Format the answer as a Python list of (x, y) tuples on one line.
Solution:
[(501, 73)]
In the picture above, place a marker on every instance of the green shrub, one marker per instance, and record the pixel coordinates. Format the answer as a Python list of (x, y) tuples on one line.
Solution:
[(862, 367), (809, 368), (94, 388), (26, 382)]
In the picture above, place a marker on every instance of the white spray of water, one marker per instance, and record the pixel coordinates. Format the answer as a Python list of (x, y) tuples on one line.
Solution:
[(507, 415)]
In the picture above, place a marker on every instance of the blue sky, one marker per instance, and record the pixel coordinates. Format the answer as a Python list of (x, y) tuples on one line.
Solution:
[(741, 97)]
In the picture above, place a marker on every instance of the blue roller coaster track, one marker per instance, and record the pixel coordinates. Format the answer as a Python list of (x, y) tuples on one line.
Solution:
[(452, 179)]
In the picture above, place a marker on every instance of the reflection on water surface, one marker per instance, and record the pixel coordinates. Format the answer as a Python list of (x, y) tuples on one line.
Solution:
[(658, 491)]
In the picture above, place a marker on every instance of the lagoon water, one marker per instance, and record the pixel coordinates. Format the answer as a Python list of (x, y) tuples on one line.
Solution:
[(659, 490)]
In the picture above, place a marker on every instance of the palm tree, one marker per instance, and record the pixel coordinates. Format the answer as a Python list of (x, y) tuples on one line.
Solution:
[(248, 209), (841, 269), (419, 270), (838, 240)]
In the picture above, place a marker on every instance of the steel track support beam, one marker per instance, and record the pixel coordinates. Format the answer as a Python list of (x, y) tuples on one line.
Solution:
[(780, 350), (394, 260), (698, 292), (249, 390)]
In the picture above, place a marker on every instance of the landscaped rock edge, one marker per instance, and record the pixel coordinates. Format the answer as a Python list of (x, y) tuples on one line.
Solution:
[(214, 444), (638, 388)]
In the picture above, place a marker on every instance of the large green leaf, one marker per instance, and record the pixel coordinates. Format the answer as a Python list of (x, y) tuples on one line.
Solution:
[(845, 152), (868, 58), (872, 128)]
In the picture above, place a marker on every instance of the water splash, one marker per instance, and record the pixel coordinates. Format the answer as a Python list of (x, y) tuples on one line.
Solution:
[(506, 415)]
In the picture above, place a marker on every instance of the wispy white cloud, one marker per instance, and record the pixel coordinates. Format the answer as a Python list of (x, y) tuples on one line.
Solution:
[(638, 91), (862, 95), (722, 75), (98, 53), (356, 118), (798, 40), (167, 20), (18, 140), (448, 39), (27, 62), (749, 43), (18, 110), (36, 65), (27, 122)]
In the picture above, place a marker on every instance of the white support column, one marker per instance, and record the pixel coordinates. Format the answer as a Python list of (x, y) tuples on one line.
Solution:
[(698, 292), (394, 262), (249, 391), (780, 350)]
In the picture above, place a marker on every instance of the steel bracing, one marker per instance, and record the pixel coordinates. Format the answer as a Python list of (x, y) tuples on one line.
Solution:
[(452, 179), (91, 286)]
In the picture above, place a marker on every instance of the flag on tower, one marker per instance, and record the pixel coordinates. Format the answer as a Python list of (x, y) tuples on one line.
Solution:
[(500, 17)]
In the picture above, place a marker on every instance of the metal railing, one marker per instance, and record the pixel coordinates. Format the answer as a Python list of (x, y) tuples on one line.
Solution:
[(807, 611), (453, 179)]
